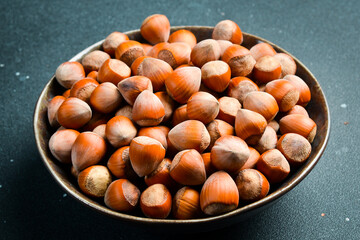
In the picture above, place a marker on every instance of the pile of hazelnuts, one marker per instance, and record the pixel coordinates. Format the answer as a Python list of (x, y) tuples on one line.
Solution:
[(178, 127)]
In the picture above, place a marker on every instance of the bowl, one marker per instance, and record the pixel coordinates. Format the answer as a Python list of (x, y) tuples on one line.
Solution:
[(317, 108)]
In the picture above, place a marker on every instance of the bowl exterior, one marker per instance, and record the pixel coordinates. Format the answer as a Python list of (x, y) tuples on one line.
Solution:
[(318, 110)]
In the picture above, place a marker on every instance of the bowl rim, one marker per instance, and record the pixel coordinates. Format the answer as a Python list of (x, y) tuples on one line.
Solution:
[(282, 190)]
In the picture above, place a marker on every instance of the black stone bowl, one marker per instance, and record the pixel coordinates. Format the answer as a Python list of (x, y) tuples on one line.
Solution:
[(317, 108)]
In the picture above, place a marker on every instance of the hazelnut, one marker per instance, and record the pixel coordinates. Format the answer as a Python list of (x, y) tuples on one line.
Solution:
[(188, 168), (219, 194), (145, 155), (69, 73), (122, 195), (94, 180), (190, 134), (156, 201)]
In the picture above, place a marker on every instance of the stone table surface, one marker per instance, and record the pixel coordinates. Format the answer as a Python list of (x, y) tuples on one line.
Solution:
[(37, 36)]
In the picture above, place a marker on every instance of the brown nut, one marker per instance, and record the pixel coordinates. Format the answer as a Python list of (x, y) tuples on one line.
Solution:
[(100, 130), (60, 144), (184, 36), (125, 111), (112, 41), (131, 87), (217, 129), (240, 60), (148, 109), (83, 89), (262, 49), (129, 51), (94, 180), (52, 109), (229, 153), (273, 165), (88, 149), (154, 51), (188, 168), (205, 51), (119, 164), (146, 47), (300, 124), (219, 194), (68, 73), (249, 123), (186, 203), (239, 87), (252, 160), (73, 113), (175, 54), (156, 133), (66, 94), (182, 83), (288, 65), (252, 185), (216, 75), (266, 69), (267, 140), (105, 98), (202, 106), (224, 44), (295, 148), (285, 94), (145, 155), (161, 175), (155, 28), (96, 120), (156, 70), (122, 195), (155, 201), (228, 30), (120, 131), (302, 87), (93, 60), (190, 134), (114, 71), (263, 103), (228, 108)]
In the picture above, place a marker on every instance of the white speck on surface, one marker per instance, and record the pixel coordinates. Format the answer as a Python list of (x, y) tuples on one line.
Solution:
[(345, 149), (27, 77), (222, 13), (11, 160), (343, 105), (347, 219), (280, 31), (64, 195), (0, 186), (17, 74), (14, 90), (2, 65)]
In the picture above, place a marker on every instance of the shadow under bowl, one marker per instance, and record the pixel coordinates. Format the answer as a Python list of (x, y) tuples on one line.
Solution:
[(317, 108)]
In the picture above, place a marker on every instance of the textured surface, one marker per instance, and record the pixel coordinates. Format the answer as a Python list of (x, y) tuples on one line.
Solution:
[(36, 36)]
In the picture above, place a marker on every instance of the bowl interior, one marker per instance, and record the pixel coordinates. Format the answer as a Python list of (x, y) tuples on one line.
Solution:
[(317, 108)]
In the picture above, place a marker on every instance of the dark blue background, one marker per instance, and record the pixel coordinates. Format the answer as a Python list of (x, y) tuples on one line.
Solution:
[(36, 36)]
